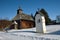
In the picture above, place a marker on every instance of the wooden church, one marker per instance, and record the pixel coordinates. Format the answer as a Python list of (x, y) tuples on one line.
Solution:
[(22, 20)]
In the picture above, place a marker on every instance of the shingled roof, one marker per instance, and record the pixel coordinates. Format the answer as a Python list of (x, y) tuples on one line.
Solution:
[(23, 16)]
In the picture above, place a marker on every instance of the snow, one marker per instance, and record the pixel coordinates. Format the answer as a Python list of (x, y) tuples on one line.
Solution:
[(53, 33)]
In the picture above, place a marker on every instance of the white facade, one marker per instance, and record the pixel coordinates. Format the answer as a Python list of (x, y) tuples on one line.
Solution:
[(58, 19), (40, 23)]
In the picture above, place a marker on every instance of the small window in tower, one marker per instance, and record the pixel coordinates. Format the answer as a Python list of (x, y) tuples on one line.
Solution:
[(38, 21)]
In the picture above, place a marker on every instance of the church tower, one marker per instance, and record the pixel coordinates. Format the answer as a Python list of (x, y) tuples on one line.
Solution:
[(19, 11)]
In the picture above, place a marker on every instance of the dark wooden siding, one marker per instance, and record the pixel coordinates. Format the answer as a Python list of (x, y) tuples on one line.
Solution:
[(27, 24), (22, 24)]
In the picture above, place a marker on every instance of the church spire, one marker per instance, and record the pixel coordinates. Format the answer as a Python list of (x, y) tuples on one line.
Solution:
[(19, 11), (20, 8), (38, 9)]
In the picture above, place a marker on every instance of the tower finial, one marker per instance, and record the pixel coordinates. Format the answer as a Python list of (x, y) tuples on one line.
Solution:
[(19, 7), (38, 9)]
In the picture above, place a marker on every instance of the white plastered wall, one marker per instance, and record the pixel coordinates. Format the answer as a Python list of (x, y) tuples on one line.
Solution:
[(40, 25)]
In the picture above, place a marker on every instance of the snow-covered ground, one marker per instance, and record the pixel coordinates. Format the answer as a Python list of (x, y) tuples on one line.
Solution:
[(53, 33)]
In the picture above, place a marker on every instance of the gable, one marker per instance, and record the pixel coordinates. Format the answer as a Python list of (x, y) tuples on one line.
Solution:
[(38, 12)]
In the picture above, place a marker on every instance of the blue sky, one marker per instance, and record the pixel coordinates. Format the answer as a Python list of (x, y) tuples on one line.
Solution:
[(8, 8)]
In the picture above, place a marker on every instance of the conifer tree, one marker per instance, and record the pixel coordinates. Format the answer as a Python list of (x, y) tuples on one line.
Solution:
[(47, 19)]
